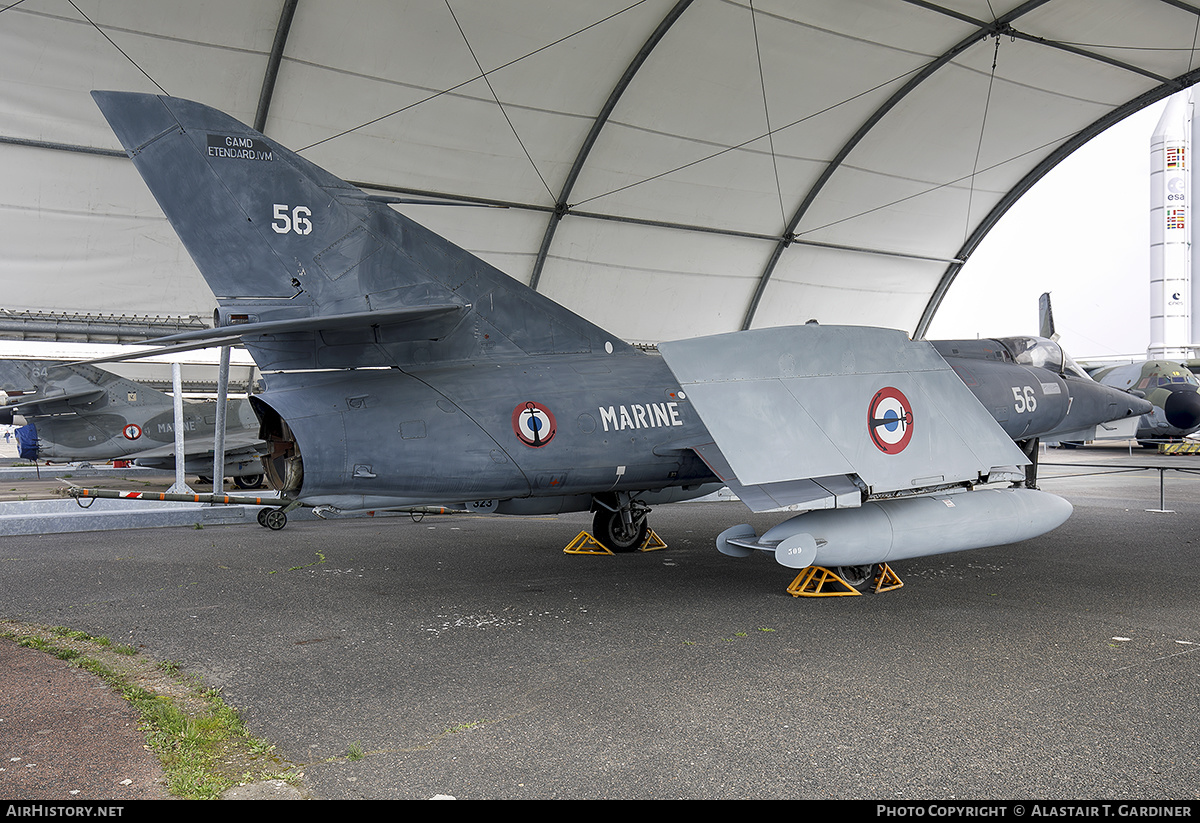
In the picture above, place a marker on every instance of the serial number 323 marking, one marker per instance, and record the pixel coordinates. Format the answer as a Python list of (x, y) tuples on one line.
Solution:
[(287, 219)]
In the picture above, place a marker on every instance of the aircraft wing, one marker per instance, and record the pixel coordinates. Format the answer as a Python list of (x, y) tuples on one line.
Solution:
[(815, 416)]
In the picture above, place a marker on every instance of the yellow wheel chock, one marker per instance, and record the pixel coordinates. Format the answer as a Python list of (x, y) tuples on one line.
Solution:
[(584, 543), (653, 542), (816, 581), (886, 580)]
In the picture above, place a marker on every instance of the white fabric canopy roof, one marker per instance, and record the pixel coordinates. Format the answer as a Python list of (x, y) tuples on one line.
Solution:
[(668, 169)]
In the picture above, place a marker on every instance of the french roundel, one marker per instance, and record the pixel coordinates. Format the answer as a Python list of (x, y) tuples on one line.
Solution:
[(132, 431), (534, 424), (890, 420)]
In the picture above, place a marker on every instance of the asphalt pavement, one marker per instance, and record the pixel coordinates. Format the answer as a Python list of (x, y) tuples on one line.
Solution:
[(470, 657)]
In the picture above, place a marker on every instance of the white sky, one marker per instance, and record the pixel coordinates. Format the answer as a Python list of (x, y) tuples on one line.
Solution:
[(1082, 233)]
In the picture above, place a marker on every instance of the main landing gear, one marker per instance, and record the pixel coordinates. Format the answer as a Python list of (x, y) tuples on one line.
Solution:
[(620, 523), (618, 526), (1030, 449), (844, 581)]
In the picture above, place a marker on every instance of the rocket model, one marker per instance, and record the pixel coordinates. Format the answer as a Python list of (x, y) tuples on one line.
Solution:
[(1172, 315)]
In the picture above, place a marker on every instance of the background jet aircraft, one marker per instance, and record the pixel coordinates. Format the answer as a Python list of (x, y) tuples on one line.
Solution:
[(1170, 387), (74, 412), (487, 391)]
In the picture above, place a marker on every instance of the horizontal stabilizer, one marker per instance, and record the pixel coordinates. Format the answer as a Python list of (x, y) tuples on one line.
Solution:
[(410, 323), (237, 331), (841, 406), (32, 403)]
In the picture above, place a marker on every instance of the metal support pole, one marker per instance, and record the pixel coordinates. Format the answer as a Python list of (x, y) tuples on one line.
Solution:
[(180, 486), (219, 432), (1162, 493)]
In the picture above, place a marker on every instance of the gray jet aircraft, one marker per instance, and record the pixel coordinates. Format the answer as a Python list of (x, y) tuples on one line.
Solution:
[(400, 370), (1169, 386), (73, 412)]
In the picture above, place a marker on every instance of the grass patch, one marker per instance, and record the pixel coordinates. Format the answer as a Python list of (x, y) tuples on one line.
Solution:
[(201, 742)]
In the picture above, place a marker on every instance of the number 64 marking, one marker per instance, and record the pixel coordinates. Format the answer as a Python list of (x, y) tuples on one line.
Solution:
[(299, 221), (1024, 399)]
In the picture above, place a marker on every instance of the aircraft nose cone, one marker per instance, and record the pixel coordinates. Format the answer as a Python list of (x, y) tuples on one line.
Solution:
[(1139, 406), (1125, 403), (1183, 409)]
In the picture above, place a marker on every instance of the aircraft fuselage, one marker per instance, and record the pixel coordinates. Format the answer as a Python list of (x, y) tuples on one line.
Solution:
[(555, 429), (98, 433), (548, 434)]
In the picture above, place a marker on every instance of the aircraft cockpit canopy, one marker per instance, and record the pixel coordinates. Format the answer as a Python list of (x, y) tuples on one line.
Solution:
[(1177, 376), (1042, 353)]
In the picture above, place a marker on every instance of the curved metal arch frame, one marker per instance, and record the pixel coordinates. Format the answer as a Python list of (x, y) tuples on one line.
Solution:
[(984, 30), (1002, 26), (562, 208), (271, 75), (1038, 172)]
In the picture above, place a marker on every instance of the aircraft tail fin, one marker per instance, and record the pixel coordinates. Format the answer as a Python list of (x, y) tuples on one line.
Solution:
[(17, 376), (1046, 318), (44, 386), (354, 283)]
